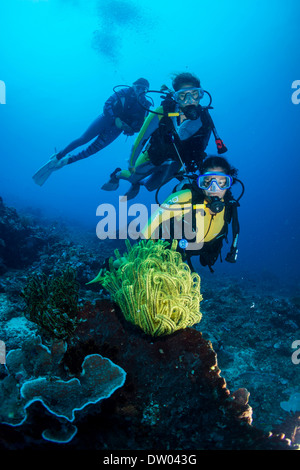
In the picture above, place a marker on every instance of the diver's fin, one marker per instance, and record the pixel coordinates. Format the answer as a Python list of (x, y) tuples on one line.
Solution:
[(133, 191), (113, 183), (45, 171), (43, 174), (110, 186)]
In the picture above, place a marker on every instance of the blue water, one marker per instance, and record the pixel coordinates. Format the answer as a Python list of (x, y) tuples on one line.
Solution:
[(60, 59)]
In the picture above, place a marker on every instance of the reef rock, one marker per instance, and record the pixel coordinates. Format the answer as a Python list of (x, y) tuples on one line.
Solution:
[(20, 241), (174, 397)]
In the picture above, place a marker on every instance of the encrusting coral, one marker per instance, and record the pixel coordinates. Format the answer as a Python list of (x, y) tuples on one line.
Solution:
[(154, 288), (52, 302)]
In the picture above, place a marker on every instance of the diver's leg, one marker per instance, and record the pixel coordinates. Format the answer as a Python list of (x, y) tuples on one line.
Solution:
[(92, 131), (162, 174), (103, 127), (137, 177), (108, 133)]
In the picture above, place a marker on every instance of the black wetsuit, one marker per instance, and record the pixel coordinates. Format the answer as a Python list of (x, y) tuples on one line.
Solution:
[(122, 104)]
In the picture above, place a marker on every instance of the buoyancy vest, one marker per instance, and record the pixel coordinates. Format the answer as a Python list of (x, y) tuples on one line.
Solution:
[(181, 207), (184, 215), (166, 144), (128, 109)]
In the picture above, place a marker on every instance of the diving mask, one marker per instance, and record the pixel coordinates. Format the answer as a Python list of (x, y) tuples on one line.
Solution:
[(214, 181), (140, 89), (188, 95)]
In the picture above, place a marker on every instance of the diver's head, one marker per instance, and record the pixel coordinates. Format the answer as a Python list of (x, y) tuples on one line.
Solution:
[(183, 79), (141, 85), (216, 177), (188, 93)]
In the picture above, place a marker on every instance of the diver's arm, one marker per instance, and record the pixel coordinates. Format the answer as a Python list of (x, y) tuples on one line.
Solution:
[(115, 102), (108, 108)]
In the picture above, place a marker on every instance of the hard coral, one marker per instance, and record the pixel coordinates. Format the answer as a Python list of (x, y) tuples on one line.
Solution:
[(100, 377), (154, 288), (52, 302), (35, 374)]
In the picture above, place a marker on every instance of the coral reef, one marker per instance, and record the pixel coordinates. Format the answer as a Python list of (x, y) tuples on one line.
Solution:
[(32, 243), (175, 396), (52, 302), (293, 404), (154, 288), (14, 327), (252, 327), (19, 240), (37, 377)]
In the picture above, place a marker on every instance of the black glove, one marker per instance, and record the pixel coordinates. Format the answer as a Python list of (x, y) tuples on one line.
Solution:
[(168, 103), (232, 255), (128, 131)]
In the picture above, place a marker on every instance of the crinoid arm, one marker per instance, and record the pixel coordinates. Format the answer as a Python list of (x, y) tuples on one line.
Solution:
[(154, 288)]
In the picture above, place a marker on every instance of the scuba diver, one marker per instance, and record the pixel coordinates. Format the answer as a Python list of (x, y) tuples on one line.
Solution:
[(173, 137), (201, 211), (124, 111)]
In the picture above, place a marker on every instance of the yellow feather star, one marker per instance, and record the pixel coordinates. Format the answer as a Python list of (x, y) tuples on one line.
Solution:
[(154, 288)]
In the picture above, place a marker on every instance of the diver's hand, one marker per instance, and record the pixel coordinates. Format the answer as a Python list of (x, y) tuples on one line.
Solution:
[(118, 123), (124, 127), (127, 130), (232, 255)]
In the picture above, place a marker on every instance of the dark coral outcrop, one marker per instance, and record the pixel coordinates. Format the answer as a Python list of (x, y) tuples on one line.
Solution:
[(174, 396)]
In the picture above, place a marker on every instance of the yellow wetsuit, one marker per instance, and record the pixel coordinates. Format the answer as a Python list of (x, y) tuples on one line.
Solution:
[(139, 160), (178, 206)]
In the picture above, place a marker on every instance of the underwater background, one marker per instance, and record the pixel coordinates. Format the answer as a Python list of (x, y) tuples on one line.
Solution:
[(60, 60)]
